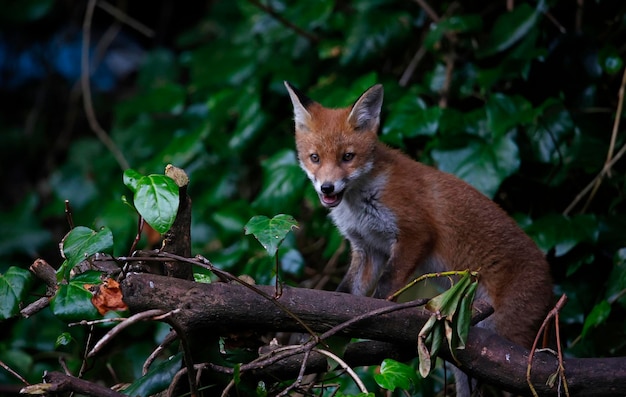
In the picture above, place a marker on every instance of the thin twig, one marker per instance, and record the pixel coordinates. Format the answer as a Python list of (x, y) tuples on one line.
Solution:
[(552, 314), (287, 23), (123, 325), (346, 367), (610, 159), (12, 372), (125, 19), (86, 88), (168, 340), (298, 381), (428, 10)]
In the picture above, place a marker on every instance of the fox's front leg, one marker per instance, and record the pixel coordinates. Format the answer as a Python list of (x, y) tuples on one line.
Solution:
[(400, 268), (362, 275)]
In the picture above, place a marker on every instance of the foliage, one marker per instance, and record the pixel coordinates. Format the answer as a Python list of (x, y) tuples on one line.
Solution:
[(520, 103)]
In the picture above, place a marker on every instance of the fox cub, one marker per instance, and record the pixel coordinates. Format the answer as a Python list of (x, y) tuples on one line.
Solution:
[(402, 216)]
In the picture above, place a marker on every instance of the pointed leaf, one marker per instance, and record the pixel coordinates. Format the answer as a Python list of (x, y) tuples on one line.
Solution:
[(464, 317), (73, 302), (445, 304), (156, 200), (394, 375), (270, 232), (81, 243), (483, 164)]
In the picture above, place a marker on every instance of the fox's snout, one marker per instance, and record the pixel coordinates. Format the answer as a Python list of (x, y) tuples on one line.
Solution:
[(330, 195)]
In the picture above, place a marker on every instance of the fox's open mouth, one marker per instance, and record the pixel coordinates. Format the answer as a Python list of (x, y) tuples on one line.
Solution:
[(331, 200)]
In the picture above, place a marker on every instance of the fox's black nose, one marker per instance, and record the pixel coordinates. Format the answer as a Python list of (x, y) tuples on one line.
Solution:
[(327, 188)]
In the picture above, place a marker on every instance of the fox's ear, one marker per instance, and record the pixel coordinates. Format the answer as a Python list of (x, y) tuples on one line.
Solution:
[(365, 113), (300, 103)]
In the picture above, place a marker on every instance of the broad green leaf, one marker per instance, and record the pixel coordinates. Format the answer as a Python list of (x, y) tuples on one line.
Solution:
[(157, 379), (511, 27), (482, 164), (72, 301), (283, 183), (82, 242), (561, 233), (505, 112), (131, 179), (270, 232), (410, 117), (14, 286), (551, 135), (156, 200), (394, 375), (598, 315)]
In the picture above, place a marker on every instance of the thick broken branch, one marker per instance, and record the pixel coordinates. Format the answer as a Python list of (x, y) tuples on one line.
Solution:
[(225, 308)]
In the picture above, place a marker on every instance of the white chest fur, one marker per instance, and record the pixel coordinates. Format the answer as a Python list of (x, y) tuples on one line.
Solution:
[(364, 219)]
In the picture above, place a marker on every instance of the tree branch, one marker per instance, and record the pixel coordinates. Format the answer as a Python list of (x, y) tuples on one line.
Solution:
[(225, 308)]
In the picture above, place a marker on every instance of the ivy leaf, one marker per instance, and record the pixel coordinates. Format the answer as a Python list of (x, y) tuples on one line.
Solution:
[(409, 118), (14, 284), (283, 183), (394, 374), (561, 233), (81, 243), (505, 112), (270, 232), (156, 200), (482, 164), (72, 301), (511, 27)]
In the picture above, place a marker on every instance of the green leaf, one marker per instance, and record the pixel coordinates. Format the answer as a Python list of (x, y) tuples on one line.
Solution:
[(598, 315), (14, 286), (464, 318), (157, 379), (72, 301), (446, 304), (156, 200), (505, 112), (561, 233), (270, 232), (82, 242), (482, 164), (394, 374), (131, 179), (410, 117), (283, 183), (512, 26)]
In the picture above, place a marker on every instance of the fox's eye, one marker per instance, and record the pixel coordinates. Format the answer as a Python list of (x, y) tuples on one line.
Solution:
[(315, 158), (347, 156)]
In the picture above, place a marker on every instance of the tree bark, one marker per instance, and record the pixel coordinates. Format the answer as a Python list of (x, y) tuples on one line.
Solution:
[(230, 308)]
